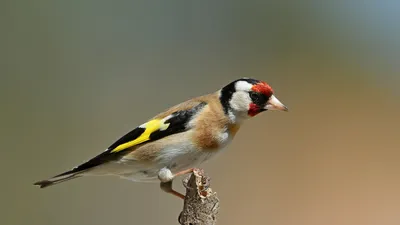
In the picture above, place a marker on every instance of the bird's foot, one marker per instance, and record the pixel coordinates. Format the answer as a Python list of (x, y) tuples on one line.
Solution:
[(166, 177)]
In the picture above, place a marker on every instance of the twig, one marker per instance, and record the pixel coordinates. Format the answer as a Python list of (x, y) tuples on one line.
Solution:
[(201, 204)]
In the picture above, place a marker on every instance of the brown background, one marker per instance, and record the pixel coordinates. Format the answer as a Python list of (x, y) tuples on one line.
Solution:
[(75, 75)]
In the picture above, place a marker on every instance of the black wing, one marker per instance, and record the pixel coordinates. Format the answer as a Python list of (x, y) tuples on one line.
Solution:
[(176, 123)]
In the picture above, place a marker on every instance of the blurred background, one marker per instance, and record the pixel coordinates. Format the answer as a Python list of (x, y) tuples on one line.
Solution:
[(75, 75)]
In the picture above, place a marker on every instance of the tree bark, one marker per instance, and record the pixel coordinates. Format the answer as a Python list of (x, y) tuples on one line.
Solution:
[(201, 204)]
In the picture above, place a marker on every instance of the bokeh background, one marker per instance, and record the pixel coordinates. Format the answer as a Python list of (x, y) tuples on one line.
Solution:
[(75, 75)]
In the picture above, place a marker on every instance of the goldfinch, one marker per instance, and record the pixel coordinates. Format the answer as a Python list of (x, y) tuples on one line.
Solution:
[(175, 141)]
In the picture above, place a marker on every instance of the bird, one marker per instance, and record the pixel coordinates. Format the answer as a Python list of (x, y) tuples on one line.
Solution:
[(180, 139)]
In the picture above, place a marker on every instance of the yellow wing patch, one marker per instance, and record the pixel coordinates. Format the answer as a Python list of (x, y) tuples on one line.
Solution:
[(150, 127)]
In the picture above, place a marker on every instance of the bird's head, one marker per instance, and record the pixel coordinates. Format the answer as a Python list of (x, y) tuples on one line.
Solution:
[(248, 97)]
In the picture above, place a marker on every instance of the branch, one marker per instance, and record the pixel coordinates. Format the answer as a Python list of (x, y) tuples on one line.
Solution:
[(201, 204)]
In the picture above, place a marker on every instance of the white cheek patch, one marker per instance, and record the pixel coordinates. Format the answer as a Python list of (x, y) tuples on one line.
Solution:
[(243, 86), (240, 101)]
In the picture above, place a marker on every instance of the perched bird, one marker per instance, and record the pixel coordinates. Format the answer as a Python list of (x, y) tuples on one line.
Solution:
[(179, 139)]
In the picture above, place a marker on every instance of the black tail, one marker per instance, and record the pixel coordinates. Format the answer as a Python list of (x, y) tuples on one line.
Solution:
[(79, 170), (56, 180)]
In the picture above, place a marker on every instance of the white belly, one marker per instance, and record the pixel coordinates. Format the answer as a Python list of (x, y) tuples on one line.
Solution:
[(178, 157)]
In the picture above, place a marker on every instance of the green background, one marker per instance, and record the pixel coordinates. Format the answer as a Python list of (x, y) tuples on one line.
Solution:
[(75, 75)]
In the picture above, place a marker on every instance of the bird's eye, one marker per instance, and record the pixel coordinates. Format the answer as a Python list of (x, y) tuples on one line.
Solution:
[(258, 98), (254, 96)]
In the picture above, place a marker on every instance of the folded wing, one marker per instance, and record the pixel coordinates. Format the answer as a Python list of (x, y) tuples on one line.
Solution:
[(154, 129)]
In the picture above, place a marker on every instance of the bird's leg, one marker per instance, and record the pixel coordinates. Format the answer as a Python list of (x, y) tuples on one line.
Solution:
[(165, 175), (167, 187), (183, 172)]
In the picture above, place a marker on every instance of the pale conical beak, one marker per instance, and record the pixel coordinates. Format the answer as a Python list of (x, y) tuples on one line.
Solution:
[(274, 104)]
